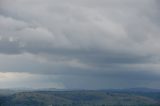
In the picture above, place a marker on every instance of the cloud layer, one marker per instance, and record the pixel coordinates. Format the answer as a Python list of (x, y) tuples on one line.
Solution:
[(99, 44)]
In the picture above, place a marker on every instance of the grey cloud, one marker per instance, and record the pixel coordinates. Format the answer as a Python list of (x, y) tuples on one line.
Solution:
[(81, 38)]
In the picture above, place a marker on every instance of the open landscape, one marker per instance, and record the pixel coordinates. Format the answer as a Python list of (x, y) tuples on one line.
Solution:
[(79, 52), (127, 97)]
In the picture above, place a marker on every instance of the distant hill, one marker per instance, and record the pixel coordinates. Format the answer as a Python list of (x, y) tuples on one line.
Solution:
[(143, 90), (4, 92), (79, 98), (134, 90)]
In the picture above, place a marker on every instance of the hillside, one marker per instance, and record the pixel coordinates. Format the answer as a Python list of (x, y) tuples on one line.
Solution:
[(78, 98)]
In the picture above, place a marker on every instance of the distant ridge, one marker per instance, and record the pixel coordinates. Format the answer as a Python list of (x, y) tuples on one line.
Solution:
[(152, 90), (143, 90)]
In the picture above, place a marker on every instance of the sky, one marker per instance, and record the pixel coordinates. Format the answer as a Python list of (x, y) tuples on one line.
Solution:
[(79, 44)]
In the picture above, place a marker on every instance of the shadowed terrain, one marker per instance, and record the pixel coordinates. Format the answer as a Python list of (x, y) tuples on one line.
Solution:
[(81, 98)]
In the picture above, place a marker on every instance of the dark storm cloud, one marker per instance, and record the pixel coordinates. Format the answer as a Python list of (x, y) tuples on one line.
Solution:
[(100, 41)]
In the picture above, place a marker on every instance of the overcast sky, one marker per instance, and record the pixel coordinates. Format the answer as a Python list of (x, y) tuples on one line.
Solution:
[(79, 44)]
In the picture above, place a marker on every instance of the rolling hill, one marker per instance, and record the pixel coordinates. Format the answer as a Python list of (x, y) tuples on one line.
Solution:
[(80, 98)]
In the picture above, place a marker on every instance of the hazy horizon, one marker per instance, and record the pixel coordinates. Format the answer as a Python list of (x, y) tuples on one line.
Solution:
[(79, 44)]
